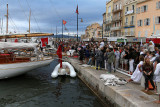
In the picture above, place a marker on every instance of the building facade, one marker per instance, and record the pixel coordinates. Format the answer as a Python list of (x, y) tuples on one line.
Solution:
[(129, 18), (93, 31), (104, 23), (117, 18), (148, 18), (109, 17)]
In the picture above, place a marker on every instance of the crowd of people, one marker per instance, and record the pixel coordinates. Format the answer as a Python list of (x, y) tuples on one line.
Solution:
[(136, 59)]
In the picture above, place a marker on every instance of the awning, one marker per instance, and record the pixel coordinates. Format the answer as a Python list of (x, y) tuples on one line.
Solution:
[(121, 40), (114, 39), (155, 40), (134, 39)]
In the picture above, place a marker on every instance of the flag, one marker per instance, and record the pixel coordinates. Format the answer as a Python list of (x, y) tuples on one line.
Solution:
[(77, 10), (64, 22), (59, 53), (66, 28), (16, 40), (44, 42)]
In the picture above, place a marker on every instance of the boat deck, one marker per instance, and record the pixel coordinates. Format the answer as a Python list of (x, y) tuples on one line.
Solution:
[(10, 58)]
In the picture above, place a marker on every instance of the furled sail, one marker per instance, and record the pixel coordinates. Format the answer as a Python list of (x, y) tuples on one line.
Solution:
[(10, 45)]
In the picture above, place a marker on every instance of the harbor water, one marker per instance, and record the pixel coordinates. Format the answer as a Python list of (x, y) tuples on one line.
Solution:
[(38, 89)]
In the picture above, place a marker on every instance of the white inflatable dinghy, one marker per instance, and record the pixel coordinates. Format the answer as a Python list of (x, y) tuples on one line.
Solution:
[(67, 69)]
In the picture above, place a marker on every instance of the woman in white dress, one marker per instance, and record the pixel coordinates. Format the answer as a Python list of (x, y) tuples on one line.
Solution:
[(136, 76)]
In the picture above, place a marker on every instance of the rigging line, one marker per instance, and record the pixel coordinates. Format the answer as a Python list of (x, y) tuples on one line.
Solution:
[(55, 9), (34, 16), (24, 13), (13, 23), (23, 10)]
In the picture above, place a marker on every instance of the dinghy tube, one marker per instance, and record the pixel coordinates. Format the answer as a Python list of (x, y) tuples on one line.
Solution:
[(71, 69)]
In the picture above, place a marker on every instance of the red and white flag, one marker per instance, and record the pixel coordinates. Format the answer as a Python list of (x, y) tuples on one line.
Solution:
[(44, 42)]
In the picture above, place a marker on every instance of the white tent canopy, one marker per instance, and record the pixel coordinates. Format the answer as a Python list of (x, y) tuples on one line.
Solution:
[(10, 45)]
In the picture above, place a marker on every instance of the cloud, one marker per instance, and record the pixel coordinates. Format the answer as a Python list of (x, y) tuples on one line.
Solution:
[(47, 14)]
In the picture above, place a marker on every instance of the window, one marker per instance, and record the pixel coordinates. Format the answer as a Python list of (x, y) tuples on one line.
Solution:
[(139, 34), (132, 7), (116, 7), (126, 9), (158, 20), (138, 10), (139, 23), (146, 33), (147, 22), (158, 32), (158, 5), (132, 31), (132, 21), (115, 24), (144, 8), (109, 9), (120, 6), (126, 32), (126, 21)]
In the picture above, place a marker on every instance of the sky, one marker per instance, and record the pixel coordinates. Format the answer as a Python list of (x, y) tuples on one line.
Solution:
[(47, 14)]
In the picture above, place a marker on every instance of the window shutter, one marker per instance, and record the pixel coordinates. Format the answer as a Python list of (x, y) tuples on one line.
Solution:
[(157, 6), (156, 20), (137, 10), (138, 23), (144, 22), (146, 33), (146, 7), (157, 32), (148, 21), (142, 9)]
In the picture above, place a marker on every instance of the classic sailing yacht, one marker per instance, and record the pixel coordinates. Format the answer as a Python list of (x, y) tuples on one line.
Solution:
[(19, 58)]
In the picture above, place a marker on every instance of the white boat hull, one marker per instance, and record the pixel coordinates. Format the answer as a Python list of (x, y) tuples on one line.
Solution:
[(15, 69)]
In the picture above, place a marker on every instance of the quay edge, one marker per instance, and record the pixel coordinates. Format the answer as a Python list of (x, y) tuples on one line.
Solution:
[(123, 96)]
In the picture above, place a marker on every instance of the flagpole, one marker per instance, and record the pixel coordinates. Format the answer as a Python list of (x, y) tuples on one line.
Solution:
[(77, 23), (62, 30)]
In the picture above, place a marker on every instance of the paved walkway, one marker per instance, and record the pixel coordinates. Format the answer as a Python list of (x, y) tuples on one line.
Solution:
[(131, 92)]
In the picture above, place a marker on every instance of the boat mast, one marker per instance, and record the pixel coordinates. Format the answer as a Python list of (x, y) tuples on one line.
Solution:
[(7, 21), (1, 25), (30, 21)]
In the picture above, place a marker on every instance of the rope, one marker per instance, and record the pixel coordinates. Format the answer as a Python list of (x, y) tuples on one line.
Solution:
[(34, 16)]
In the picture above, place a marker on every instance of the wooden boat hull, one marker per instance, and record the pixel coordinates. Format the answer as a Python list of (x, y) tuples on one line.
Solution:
[(15, 69)]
